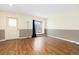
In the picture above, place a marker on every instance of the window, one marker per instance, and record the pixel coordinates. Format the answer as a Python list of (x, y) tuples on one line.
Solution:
[(11, 22), (38, 26)]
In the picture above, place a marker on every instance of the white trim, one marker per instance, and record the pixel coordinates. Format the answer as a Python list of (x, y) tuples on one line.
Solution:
[(2, 40), (14, 38), (64, 39), (62, 29)]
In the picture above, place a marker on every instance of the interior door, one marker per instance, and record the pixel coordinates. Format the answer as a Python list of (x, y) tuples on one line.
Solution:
[(11, 29)]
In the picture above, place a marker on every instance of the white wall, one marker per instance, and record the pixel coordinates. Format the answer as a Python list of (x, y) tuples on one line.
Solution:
[(23, 22), (0, 23), (22, 19), (64, 20)]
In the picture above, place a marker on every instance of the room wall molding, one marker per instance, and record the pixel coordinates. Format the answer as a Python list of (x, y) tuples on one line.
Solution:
[(62, 29), (64, 39), (16, 38)]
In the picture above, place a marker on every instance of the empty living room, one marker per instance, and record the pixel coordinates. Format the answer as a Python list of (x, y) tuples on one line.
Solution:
[(39, 29)]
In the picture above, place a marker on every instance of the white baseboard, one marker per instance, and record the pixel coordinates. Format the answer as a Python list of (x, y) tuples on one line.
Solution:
[(2, 40), (15, 38), (64, 39)]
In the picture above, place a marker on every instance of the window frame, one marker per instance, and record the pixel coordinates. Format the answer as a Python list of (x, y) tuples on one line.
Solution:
[(41, 26), (12, 26)]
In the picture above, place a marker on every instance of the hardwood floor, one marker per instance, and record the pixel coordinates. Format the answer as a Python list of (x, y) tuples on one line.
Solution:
[(38, 46)]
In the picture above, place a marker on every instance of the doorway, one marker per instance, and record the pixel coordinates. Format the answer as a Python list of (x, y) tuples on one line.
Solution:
[(37, 28), (11, 31)]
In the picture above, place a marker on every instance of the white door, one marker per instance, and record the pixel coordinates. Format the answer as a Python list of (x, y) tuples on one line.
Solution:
[(11, 29)]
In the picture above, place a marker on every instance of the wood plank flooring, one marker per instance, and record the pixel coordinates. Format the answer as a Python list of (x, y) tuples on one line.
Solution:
[(38, 46)]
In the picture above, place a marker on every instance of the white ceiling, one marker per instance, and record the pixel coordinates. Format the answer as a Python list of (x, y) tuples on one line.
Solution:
[(42, 10)]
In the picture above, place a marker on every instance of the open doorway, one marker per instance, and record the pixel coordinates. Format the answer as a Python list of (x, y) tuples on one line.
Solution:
[(37, 28)]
